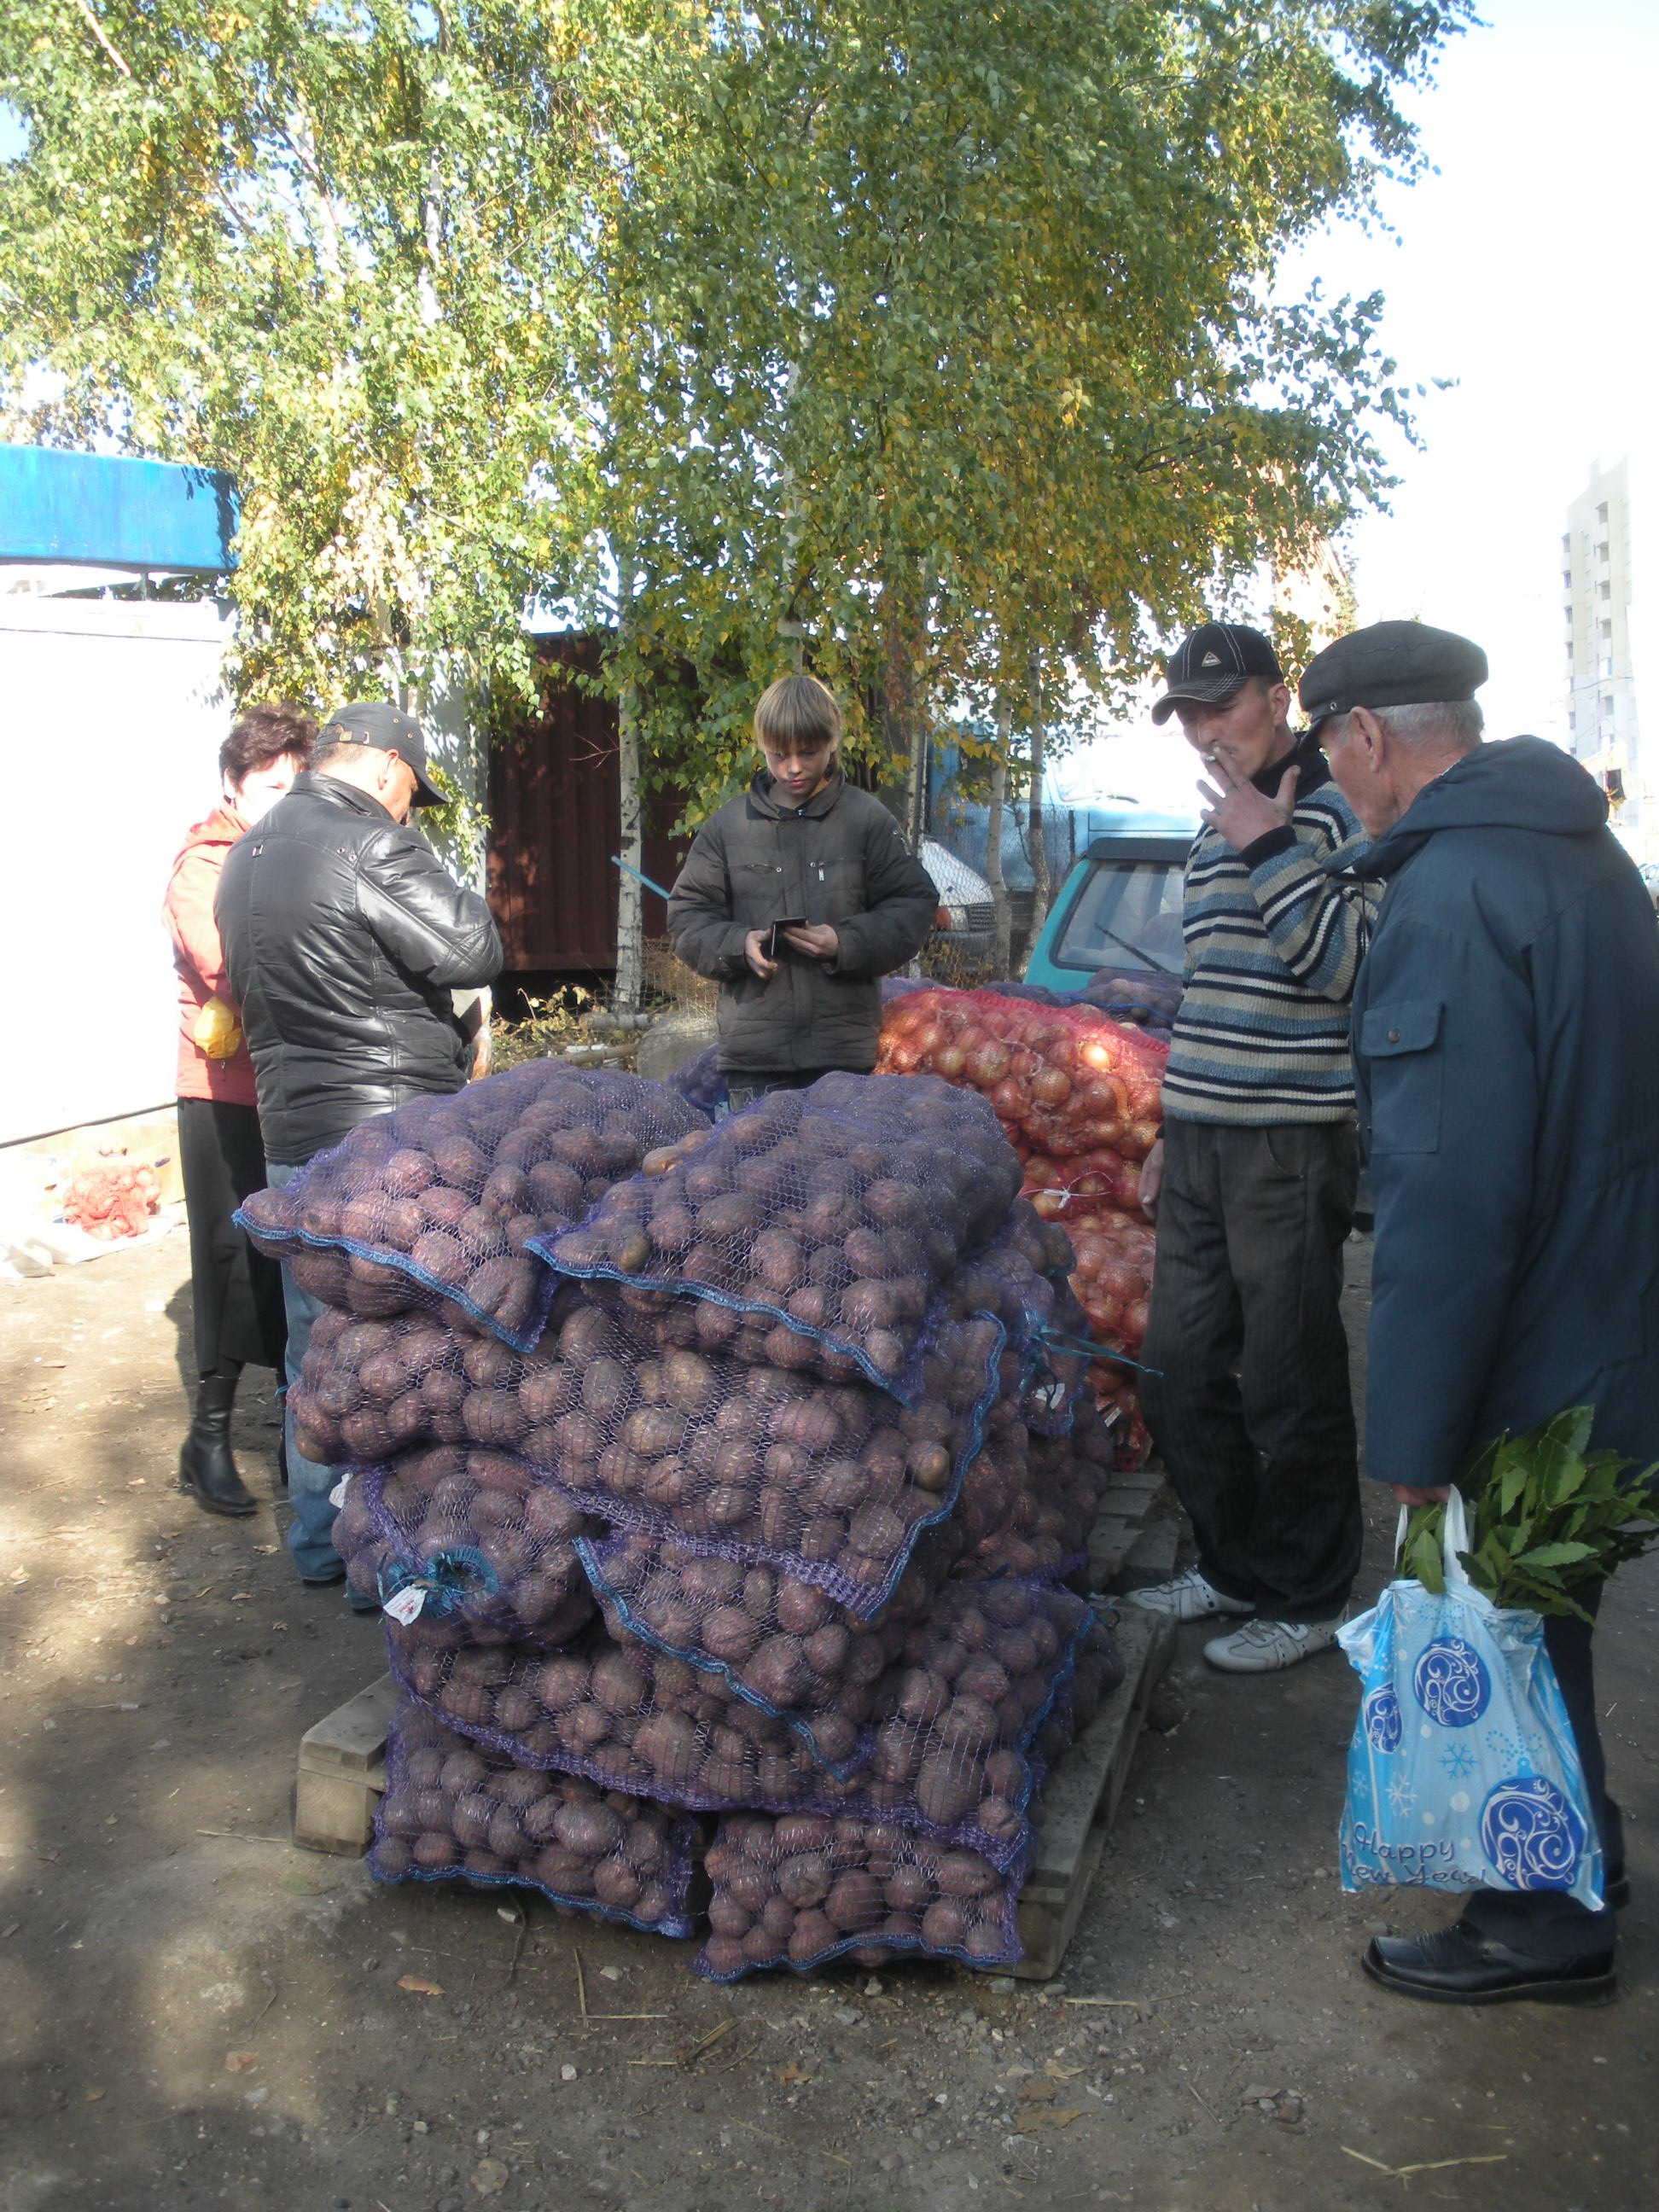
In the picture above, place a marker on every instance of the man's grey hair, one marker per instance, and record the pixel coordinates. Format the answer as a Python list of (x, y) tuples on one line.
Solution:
[(1455, 724)]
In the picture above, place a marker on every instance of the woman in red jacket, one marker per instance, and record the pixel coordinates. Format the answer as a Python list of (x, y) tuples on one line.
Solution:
[(236, 1293)]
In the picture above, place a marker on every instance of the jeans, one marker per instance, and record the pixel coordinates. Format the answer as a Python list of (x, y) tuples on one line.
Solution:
[(310, 1536), (1252, 1408)]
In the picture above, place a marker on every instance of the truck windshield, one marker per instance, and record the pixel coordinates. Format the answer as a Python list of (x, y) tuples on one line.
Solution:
[(1127, 915)]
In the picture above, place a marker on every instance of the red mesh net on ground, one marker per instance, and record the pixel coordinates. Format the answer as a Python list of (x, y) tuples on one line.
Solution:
[(814, 1229), (438, 1202), (454, 1812)]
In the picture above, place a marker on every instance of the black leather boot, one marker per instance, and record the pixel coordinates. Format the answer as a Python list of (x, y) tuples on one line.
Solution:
[(206, 1468)]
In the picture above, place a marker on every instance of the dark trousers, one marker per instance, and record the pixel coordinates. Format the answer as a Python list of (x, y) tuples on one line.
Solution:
[(236, 1293), (1252, 1408), (743, 1085), (1541, 1923)]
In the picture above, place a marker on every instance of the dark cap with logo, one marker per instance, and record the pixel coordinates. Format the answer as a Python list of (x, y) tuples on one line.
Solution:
[(1214, 662), (1391, 663), (378, 723)]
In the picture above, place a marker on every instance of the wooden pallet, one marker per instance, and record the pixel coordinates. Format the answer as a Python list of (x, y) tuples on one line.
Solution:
[(343, 1773), (1081, 1795), (1135, 1526)]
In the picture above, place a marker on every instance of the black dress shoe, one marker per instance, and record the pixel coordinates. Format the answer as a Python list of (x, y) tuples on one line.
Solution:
[(1462, 1965)]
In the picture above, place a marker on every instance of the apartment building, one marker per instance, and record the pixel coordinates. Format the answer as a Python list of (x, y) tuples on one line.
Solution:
[(1598, 590)]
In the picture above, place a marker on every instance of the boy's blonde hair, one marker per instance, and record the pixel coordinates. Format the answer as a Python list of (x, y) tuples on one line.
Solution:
[(797, 710)]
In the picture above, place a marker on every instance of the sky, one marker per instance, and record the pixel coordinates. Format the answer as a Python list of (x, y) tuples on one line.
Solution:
[(1523, 269)]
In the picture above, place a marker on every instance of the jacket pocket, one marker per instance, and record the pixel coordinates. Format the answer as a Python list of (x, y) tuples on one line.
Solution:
[(1399, 1043)]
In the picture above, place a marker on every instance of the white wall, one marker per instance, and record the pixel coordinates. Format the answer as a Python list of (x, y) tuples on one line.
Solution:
[(111, 713)]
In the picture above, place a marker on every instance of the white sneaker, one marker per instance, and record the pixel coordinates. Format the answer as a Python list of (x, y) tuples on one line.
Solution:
[(1262, 1647), (1189, 1597)]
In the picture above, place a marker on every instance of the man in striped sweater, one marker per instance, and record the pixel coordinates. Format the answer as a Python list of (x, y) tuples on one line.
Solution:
[(1252, 1186)]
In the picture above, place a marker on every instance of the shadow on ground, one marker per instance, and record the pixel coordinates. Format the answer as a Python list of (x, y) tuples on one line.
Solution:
[(194, 2014)]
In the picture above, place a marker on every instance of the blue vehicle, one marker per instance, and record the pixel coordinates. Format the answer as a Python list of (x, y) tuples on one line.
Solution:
[(1120, 907)]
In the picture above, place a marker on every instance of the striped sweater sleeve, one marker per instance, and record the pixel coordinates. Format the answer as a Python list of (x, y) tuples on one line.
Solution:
[(1316, 924)]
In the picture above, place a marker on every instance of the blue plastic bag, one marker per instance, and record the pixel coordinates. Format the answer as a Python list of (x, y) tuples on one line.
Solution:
[(1463, 1772)]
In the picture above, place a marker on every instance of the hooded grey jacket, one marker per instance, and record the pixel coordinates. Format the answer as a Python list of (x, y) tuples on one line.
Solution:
[(1506, 1052), (840, 859)]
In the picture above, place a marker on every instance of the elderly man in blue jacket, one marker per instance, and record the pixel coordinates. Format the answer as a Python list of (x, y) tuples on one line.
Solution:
[(1506, 1053)]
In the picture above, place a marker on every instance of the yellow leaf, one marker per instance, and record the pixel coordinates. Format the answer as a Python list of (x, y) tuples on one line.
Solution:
[(417, 1987)]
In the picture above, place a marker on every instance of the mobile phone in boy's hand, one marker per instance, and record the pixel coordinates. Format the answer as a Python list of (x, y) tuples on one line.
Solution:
[(776, 947)]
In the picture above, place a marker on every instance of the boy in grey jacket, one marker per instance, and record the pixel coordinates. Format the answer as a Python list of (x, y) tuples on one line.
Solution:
[(802, 846)]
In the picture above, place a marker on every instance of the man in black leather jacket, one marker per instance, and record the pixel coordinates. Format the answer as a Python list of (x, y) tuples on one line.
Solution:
[(344, 938)]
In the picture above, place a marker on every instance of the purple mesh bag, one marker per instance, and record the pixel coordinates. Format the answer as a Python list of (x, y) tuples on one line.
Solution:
[(1047, 1533), (949, 1762), (453, 1813), (1020, 1276), (816, 1228), (370, 1389), (784, 1644), (469, 1540), (800, 1889), (832, 1482), (438, 1202)]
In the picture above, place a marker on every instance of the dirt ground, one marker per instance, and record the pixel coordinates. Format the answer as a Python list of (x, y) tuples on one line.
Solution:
[(192, 2014)]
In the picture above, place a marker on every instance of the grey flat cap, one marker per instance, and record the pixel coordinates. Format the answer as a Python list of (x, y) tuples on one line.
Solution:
[(1391, 663)]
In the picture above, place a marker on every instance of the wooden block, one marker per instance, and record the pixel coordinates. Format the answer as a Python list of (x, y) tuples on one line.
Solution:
[(1080, 1800), (334, 1811), (1151, 1556), (352, 1738), (342, 1772)]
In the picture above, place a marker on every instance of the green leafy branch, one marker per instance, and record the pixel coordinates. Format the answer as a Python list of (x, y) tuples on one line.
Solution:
[(1546, 1517)]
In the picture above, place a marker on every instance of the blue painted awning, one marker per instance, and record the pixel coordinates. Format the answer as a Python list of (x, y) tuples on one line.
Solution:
[(105, 510)]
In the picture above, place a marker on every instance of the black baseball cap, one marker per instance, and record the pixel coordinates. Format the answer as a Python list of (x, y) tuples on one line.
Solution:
[(378, 723), (1214, 662), (1391, 663)]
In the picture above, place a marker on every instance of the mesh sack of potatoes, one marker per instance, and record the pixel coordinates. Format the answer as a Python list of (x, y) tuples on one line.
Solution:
[(1046, 1535), (960, 1738), (765, 1637), (367, 1390), (815, 1229), (451, 1538), (798, 1889), (785, 1645), (453, 1812), (834, 1482), (437, 1202)]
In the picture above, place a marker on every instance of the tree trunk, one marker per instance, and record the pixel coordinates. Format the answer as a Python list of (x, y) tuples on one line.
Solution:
[(1039, 849), (630, 915), (1002, 919)]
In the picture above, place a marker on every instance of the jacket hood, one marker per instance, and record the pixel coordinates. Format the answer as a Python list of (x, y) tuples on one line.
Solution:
[(1519, 783), (222, 827), (761, 796)]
